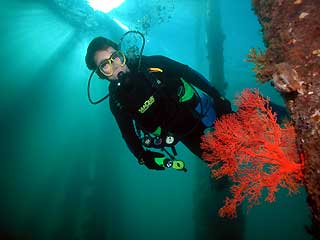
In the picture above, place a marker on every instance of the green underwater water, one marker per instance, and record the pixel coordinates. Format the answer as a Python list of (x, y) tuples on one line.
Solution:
[(65, 171)]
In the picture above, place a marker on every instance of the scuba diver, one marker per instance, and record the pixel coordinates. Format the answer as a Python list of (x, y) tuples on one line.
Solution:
[(155, 102)]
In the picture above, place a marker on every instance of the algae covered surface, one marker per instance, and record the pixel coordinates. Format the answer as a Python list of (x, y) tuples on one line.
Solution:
[(292, 63)]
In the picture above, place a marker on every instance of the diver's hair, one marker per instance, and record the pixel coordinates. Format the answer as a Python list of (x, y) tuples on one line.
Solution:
[(98, 43)]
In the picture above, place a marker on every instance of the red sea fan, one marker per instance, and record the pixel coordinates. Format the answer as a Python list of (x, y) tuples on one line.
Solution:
[(254, 151)]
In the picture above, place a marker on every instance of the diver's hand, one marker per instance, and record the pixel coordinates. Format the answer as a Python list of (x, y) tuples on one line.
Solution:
[(222, 106), (150, 159)]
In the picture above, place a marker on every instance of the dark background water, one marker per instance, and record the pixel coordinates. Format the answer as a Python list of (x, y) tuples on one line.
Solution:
[(65, 171)]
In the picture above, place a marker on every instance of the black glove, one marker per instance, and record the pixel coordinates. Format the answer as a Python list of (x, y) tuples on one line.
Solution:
[(222, 106), (149, 159)]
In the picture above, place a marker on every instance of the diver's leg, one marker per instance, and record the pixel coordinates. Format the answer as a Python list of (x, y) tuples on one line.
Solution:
[(211, 199), (192, 140)]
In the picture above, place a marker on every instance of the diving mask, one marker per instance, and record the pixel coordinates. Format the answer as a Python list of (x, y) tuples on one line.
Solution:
[(106, 67)]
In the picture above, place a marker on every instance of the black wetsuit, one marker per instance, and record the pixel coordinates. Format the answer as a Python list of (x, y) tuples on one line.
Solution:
[(152, 100)]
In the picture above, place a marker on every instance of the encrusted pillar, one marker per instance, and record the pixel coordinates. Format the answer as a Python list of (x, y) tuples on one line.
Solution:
[(292, 62)]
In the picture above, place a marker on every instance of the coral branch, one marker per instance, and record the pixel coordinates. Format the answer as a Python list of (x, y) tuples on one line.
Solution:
[(254, 151), (262, 67)]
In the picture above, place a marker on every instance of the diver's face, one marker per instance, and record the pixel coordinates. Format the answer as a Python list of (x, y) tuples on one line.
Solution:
[(110, 64)]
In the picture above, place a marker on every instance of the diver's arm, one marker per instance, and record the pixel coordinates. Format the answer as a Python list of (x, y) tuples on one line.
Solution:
[(188, 74), (177, 69), (222, 105), (128, 133)]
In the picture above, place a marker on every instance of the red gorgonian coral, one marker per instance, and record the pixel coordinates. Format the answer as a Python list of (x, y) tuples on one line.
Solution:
[(252, 149)]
